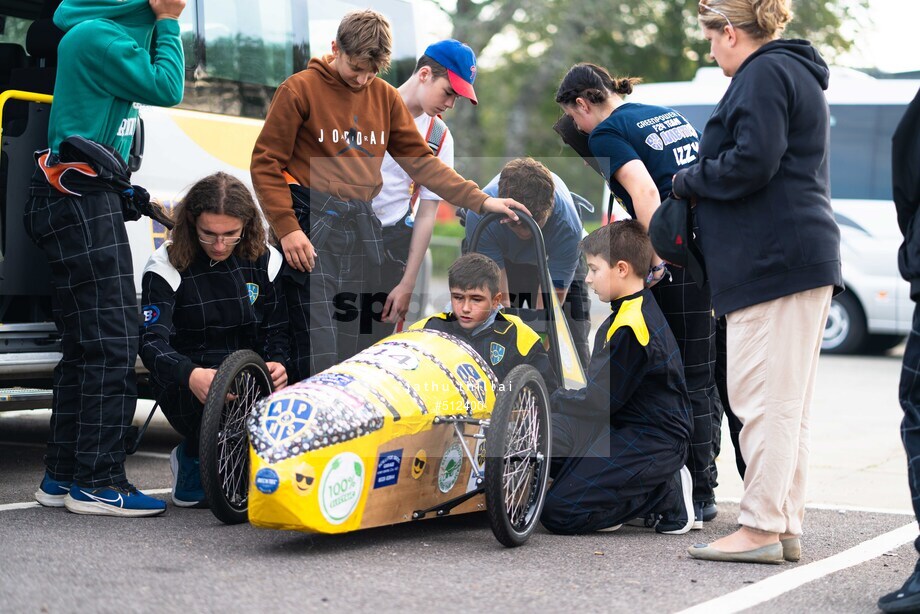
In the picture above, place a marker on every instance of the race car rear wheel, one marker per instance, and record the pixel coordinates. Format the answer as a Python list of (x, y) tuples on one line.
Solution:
[(517, 456), (241, 381)]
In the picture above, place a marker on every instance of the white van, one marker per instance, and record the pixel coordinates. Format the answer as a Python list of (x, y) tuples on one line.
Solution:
[(874, 314), (236, 53)]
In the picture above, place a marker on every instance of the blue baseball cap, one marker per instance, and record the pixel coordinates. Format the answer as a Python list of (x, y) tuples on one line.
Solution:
[(460, 62)]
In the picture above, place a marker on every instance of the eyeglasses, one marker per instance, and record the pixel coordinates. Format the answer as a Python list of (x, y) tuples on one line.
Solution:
[(212, 239), (717, 12)]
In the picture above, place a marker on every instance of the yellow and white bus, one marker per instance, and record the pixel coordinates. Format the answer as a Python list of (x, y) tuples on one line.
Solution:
[(236, 53)]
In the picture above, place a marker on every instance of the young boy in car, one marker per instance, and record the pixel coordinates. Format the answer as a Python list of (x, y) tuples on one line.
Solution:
[(503, 340), (620, 444), (316, 168)]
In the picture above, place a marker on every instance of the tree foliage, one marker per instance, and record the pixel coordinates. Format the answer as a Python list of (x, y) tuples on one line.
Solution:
[(657, 40)]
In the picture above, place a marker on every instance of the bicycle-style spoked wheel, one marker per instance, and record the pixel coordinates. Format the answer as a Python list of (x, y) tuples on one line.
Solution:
[(517, 456), (241, 381)]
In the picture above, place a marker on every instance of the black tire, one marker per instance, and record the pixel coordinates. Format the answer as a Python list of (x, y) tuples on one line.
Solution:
[(224, 441), (514, 507), (845, 331)]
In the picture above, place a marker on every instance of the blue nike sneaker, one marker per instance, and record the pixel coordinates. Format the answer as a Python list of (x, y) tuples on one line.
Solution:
[(51, 492), (115, 500), (187, 489)]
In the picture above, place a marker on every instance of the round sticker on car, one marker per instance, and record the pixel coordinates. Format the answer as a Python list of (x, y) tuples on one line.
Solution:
[(341, 487), (449, 471), (267, 480)]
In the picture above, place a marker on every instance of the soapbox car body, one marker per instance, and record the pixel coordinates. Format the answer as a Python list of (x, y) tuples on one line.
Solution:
[(415, 427)]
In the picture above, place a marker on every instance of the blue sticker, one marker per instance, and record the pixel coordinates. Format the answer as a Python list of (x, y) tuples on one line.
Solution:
[(253, 290), (286, 418), (151, 314), (473, 381), (267, 480), (388, 468), (496, 353)]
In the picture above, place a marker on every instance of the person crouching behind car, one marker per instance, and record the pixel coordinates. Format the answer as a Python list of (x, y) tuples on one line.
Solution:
[(620, 444), (503, 340), (210, 291)]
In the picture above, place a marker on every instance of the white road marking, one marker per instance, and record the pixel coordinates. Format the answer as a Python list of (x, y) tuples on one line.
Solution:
[(781, 583), (838, 507)]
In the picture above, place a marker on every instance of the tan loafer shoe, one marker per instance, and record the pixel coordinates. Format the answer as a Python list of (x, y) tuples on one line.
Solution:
[(771, 554), (792, 549)]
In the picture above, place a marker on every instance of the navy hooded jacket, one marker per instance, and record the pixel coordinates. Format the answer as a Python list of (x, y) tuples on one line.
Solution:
[(762, 184), (905, 181)]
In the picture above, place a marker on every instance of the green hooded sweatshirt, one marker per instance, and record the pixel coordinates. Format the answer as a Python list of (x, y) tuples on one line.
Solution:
[(105, 68)]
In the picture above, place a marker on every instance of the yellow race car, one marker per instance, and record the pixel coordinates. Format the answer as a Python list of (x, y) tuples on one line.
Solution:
[(414, 427)]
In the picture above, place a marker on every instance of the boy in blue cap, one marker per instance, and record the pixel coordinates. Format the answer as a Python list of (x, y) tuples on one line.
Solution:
[(407, 211)]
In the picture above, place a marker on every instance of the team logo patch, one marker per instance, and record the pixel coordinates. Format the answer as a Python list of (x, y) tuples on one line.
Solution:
[(286, 419), (151, 314), (654, 141), (253, 290), (473, 381), (449, 471), (496, 353)]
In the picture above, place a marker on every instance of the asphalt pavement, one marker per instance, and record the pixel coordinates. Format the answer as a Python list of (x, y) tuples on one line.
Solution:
[(857, 543)]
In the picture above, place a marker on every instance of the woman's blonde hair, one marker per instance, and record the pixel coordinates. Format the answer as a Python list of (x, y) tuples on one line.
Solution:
[(218, 193), (762, 19)]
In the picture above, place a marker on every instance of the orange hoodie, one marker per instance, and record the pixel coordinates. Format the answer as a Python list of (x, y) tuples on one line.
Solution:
[(332, 138)]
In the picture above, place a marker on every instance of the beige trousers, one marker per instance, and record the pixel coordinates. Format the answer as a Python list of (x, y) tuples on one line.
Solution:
[(772, 358)]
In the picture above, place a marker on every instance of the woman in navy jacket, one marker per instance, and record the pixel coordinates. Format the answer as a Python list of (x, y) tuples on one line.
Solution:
[(772, 253), (210, 291)]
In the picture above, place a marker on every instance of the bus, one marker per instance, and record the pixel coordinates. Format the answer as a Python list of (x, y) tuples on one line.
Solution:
[(236, 53), (874, 313)]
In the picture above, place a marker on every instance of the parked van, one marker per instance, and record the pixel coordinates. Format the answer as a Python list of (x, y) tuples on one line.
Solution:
[(236, 53), (874, 313)]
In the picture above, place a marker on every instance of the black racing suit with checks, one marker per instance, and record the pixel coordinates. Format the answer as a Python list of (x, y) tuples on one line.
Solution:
[(200, 316)]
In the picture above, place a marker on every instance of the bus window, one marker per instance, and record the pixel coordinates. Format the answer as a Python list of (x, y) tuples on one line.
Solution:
[(247, 52), (13, 30), (861, 150)]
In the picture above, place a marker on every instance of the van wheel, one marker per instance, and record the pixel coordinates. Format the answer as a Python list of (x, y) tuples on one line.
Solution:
[(845, 331)]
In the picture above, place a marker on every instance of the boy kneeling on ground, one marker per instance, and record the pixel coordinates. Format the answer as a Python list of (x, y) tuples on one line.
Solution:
[(620, 443), (503, 340)]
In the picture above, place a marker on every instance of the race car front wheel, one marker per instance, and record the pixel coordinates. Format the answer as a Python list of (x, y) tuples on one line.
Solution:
[(517, 456), (241, 381)]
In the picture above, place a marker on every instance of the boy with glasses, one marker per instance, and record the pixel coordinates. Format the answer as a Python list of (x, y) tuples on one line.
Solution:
[(210, 291)]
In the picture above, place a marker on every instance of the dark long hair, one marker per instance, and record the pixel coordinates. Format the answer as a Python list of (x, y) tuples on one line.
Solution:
[(593, 83), (223, 194)]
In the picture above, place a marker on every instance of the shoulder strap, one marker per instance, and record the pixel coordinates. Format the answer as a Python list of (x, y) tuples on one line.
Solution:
[(437, 132)]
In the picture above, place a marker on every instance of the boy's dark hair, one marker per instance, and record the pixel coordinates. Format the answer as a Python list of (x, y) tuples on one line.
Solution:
[(437, 70), (474, 270), (531, 184), (366, 38), (624, 240), (218, 193)]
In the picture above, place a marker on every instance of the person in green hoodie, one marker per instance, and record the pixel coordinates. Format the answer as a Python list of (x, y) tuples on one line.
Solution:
[(80, 198)]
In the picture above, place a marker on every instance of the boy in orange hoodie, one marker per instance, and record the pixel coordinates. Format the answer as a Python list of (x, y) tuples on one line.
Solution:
[(316, 168)]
